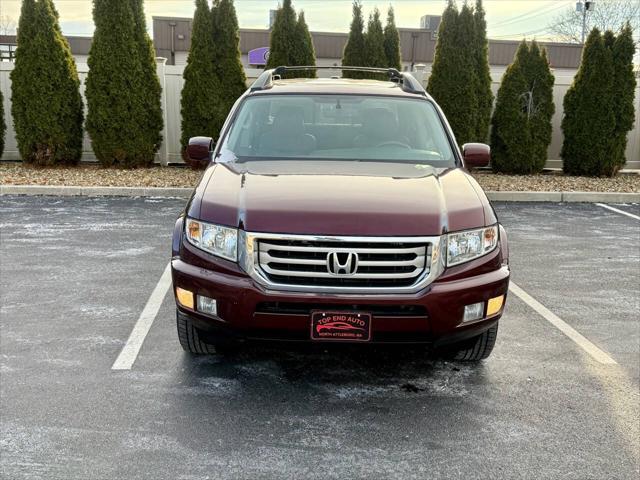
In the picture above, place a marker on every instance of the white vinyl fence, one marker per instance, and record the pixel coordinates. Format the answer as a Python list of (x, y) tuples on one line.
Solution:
[(171, 81)]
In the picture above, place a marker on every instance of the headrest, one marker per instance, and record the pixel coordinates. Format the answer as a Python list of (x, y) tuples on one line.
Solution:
[(380, 123), (289, 120)]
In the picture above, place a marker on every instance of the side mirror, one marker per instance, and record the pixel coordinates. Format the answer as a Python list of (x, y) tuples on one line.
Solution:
[(476, 155), (199, 150)]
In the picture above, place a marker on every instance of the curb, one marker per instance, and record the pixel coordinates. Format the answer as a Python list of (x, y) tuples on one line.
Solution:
[(555, 197), (525, 196), (64, 191), (567, 197)]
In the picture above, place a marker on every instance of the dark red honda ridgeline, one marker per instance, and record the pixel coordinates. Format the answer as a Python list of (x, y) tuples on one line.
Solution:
[(336, 210)]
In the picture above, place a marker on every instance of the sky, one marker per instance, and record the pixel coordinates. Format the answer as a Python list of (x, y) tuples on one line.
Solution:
[(505, 18)]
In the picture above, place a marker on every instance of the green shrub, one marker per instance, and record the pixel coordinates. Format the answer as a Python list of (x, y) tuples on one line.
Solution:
[(114, 89), (599, 109), (354, 54), (149, 111), (230, 72), (624, 84), (283, 43), (3, 126), (392, 42), (453, 77), (589, 123), (305, 53), (45, 98), (483, 72), (199, 102), (291, 42), (374, 45), (521, 124)]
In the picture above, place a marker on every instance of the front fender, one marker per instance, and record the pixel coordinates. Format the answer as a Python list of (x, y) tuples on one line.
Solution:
[(177, 236), (504, 245)]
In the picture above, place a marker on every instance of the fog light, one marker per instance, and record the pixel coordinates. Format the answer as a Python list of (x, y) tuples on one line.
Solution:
[(207, 305), (494, 305), (473, 312), (184, 297)]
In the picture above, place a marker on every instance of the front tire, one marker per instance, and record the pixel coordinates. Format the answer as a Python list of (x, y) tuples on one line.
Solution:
[(478, 348), (189, 339)]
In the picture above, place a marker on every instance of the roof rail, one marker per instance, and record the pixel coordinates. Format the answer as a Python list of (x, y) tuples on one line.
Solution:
[(407, 82), (263, 82)]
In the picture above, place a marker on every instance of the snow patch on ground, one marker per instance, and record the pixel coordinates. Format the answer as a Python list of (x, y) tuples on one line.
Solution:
[(209, 386)]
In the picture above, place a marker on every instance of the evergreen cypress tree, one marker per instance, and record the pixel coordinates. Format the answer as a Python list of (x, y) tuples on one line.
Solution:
[(374, 45), (22, 106), (624, 83), (230, 72), (453, 77), (149, 105), (392, 42), (541, 108), (589, 121), (291, 42), (354, 54), (283, 49), (200, 104), (113, 88), (306, 54), (3, 125), (46, 101), (510, 139), (483, 86), (521, 123)]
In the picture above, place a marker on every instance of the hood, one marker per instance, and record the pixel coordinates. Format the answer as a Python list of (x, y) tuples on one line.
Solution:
[(341, 198)]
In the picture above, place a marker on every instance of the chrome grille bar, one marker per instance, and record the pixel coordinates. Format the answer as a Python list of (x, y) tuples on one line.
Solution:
[(372, 276), (303, 248)]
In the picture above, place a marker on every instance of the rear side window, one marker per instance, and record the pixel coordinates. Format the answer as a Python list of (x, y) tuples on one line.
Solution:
[(339, 127)]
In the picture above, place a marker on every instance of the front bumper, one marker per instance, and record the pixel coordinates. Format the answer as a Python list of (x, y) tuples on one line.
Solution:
[(247, 310)]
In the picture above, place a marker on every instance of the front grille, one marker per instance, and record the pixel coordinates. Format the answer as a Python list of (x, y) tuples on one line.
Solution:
[(380, 263)]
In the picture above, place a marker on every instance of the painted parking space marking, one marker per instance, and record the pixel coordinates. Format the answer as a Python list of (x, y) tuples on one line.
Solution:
[(130, 351), (617, 210), (596, 353)]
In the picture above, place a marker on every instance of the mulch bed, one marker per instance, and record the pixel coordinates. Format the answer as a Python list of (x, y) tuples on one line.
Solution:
[(557, 182), (14, 173), (94, 176)]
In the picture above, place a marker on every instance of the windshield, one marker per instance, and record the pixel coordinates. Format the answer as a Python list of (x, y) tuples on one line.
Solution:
[(339, 127)]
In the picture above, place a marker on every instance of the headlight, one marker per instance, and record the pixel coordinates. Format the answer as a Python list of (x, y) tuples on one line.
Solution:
[(470, 244), (215, 239)]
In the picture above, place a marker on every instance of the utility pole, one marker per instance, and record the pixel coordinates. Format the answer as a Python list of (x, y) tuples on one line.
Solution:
[(584, 7)]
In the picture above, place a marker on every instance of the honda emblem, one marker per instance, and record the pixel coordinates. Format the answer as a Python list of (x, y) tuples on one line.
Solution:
[(342, 263)]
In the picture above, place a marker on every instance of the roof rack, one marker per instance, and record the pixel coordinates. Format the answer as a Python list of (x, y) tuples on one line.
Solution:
[(407, 82)]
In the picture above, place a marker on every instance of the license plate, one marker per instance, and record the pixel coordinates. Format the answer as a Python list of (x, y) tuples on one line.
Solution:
[(341, 326)]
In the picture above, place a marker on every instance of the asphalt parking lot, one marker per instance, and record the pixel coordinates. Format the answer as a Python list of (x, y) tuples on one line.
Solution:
[(76, 273)]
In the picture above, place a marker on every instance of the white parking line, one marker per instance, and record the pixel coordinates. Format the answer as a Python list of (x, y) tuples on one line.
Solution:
[(622, 212), (597, 354), (130, 351)]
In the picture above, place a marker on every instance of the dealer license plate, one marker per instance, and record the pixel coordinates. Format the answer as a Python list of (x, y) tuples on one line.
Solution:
[(341, 326)]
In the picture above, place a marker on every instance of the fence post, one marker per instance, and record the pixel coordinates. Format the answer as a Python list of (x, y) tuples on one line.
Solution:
[(10, 143), (163, 153), (419, 72)]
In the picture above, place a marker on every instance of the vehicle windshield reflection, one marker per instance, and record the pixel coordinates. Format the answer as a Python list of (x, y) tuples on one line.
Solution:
[(338, 127)]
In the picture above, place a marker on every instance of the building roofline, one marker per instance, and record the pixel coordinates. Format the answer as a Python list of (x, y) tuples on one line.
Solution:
[(540, 42), (415, 49)]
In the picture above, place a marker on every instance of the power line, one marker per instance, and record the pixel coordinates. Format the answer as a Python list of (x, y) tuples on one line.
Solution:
[(523, 34), (539, 14), (517, 17)]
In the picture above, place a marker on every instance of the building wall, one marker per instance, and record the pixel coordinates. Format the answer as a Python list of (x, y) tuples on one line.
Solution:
[(416, 45), (172, 82)]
